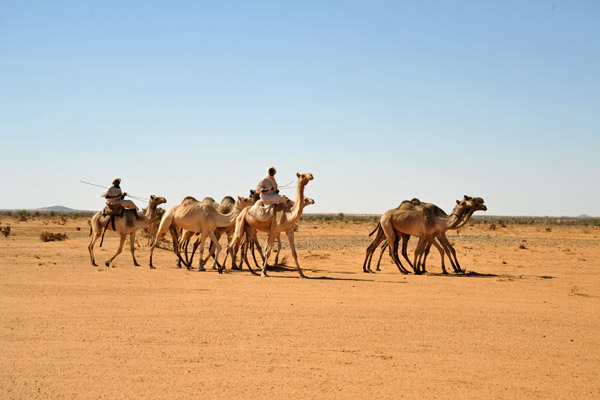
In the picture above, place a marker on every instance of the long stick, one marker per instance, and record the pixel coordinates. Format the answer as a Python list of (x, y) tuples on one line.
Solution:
[(104, 187)]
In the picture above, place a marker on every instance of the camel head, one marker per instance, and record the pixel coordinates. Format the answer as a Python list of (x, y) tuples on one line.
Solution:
[(308, 201), (475, 203), (253, 195), (303, 179), (462, 207), (243, 202), (157, 200)]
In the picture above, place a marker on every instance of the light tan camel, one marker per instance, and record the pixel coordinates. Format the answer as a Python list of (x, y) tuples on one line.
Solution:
[(198, 217), (283, 220), (421, 222), (125, 225), (251, 238), (475, 203), (225, 207)]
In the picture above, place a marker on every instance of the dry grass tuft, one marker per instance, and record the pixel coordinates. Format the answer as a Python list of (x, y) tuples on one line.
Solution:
[(52, 237)]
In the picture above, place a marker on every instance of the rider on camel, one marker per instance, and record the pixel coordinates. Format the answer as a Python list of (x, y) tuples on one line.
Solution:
[(267, 188), (115, 197)]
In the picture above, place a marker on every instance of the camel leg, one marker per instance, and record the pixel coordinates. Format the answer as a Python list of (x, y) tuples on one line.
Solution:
[(163, 228), (244, 256), (132, 248), (256, 245), (216, 248), (390, 235), (371, 249), (426, 254), (268, 248), (383, 247), (107, 263), (95, 237), (451, 252), (441, 250), (290, 235), (418, 260), (202, 240), (215, 259), (278, 250), (175, 240), (405, 239)]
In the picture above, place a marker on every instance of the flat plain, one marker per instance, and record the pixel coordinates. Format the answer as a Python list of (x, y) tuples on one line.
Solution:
[(523, 321)]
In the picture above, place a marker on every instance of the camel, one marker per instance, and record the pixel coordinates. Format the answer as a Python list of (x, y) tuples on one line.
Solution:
[(127, 224), (283, 219), (421, 222), (252, 242), (226, 206), (476, 205), (197, 217)]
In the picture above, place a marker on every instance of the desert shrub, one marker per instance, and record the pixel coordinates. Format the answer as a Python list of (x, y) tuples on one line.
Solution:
[(22, 215), (51, 237), (5, 231), (150, 230)]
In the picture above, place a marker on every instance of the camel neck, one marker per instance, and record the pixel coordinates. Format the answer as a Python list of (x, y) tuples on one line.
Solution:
[(454, 219), (299, 204), (463, 221)]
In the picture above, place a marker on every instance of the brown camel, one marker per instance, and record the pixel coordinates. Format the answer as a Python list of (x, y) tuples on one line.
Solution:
[(197, 217), (476, 204), (422, 222), (127, 224), (283, 219)]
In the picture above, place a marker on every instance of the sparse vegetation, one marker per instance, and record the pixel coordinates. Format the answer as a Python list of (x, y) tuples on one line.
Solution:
[(149, 231), (5, 231), (51, 237), (496, 221)]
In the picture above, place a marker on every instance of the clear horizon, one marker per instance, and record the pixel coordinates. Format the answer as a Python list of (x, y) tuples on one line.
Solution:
[(382, 101)]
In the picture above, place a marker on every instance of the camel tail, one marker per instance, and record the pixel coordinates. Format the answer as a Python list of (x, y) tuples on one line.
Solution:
[(90, 224), (376, 228)]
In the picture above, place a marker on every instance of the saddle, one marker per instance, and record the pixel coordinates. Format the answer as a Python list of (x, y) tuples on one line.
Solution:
[(112, 210), (260, 212)]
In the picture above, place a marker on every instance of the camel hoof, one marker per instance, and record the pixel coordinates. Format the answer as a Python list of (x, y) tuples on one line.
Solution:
[(152, 267), (107, 263), (94, 264), (136, 264), (214, 267), (200, 269), (264, 274), (378, 269)]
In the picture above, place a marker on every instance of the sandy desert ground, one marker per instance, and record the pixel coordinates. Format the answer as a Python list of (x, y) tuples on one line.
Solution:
[(524, 321)]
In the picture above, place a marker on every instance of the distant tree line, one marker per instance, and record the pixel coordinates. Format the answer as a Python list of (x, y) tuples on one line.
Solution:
[(475, 219), (37, 213)]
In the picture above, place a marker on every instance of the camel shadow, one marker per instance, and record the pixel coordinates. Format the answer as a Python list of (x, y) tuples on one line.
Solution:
[(473, 274)]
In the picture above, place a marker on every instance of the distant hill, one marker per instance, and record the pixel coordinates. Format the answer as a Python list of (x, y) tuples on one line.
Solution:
[(583, 216), (57, 208)]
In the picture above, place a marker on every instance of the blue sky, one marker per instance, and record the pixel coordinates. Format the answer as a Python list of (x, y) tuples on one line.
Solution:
[(381, 100)]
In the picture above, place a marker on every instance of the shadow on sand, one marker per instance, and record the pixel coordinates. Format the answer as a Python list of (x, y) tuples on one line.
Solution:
[(473, 274)]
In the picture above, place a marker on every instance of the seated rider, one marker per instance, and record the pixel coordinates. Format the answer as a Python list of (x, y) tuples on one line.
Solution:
[(115, 197), (267, 189)]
